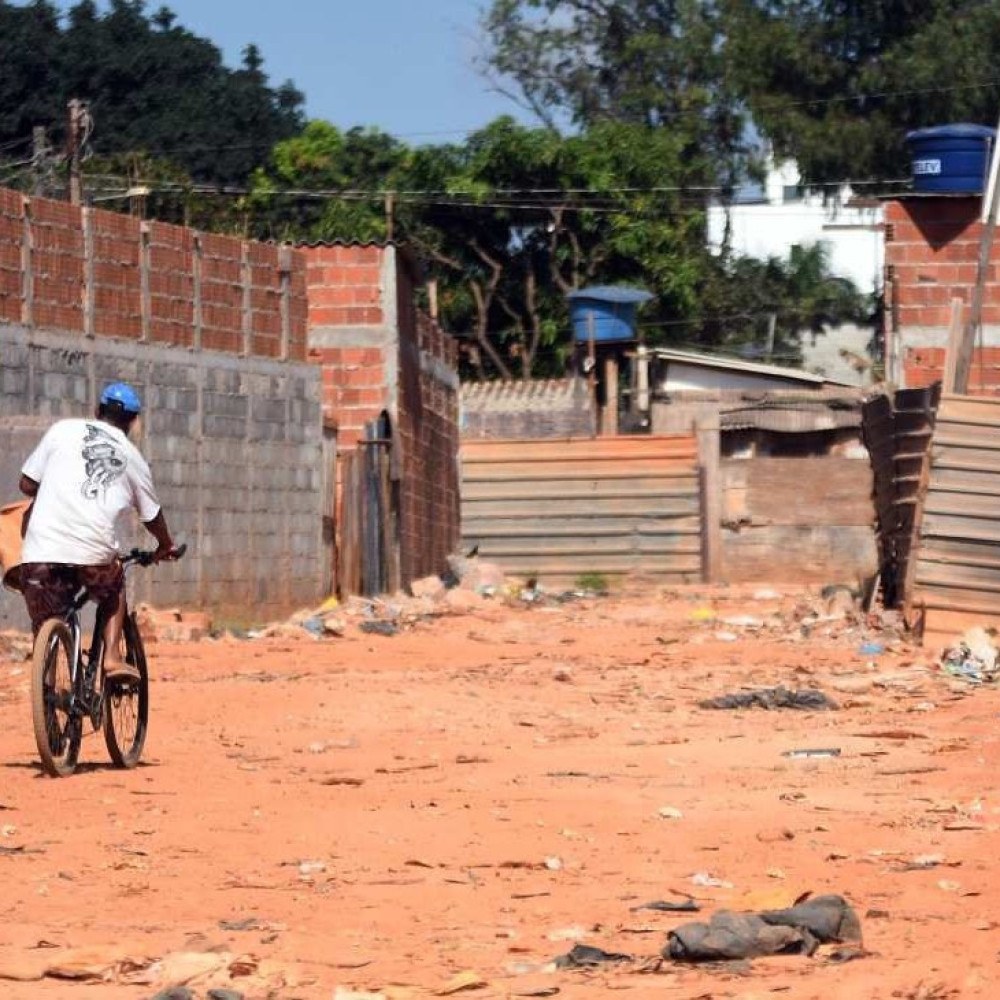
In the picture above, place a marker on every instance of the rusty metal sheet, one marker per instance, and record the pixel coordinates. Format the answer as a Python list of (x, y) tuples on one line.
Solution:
[(957, 565), (560, 509)]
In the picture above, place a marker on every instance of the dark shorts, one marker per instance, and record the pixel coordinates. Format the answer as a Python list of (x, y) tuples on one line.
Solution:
[(49, 588)]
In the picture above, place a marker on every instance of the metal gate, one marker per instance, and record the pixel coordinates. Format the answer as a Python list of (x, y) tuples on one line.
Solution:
[(560, 510), (369, 536)]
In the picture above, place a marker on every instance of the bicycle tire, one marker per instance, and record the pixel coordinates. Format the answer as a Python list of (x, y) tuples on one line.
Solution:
[(58, 742), (126, 704)]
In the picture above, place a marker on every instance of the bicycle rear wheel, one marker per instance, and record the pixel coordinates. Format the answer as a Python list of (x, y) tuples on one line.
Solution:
[(58, 730), (126, 704)]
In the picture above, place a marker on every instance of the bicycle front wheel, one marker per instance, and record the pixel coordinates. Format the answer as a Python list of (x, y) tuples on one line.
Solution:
[(126, 704), (58, 728)]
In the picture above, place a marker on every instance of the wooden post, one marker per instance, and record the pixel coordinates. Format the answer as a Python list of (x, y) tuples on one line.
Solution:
[(87, 292), (963, 362), (145, 290), (711, 498), (955, 333), (246, 280), (609, 415), (74, 128), (592, 370), (285, 269)]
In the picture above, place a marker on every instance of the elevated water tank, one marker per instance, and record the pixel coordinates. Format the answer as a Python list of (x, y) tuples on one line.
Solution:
[(608, 310), (951, 159)]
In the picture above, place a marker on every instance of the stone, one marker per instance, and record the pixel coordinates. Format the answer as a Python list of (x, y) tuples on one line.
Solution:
[(461, 600), (429, 586)]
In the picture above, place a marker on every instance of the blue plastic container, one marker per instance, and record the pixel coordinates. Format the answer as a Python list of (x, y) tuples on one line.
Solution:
[(951, 159), (609, 309)]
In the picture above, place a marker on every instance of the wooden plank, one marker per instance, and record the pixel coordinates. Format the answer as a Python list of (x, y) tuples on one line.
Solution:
[(708, 434), (954, 348), (581, 515), (591, 449), (615, 505), (580, 529), (799, 554), (807, 491)]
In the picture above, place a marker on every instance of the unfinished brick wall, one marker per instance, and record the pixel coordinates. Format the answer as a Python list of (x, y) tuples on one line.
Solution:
[(428, 427), (346, 285), (171, 308), (11, 234), (108, 275), (380, 355), (345, 289), (932, 251), (116, 276), (57, 265)]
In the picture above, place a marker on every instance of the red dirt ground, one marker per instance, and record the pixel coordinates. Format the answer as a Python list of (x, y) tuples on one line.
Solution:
[(431, 775)]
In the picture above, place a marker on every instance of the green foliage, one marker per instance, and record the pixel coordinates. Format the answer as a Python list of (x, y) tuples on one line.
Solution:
[(152, 86), (741, 294), (837, 83)]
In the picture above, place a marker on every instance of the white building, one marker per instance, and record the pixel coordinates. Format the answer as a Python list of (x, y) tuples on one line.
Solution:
[(784, 216)]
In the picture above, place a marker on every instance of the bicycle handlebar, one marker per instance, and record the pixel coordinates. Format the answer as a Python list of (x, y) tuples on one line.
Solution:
[(147, 558)]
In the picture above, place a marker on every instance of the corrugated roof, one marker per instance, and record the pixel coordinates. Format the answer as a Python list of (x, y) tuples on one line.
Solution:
[(619, 294), (520, 396), (741, 364)]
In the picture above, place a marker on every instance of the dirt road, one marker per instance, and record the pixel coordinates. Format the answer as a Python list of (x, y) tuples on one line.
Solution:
[(479, 793)]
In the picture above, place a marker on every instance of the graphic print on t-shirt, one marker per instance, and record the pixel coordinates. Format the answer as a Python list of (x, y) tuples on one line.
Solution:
[(103, 461)]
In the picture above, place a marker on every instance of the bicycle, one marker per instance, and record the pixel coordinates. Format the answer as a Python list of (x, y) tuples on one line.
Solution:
[(68, 685)]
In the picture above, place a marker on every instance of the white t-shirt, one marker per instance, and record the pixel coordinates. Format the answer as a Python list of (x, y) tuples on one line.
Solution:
[(89, 476)]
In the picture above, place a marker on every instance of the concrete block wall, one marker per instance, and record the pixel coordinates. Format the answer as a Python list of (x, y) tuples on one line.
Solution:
[(236, 449), (932, 251)]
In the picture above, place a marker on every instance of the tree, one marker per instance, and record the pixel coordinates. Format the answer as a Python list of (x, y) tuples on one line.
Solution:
[(153, 87), (836, 84), (340, 167), (743, 297), (658, 63)]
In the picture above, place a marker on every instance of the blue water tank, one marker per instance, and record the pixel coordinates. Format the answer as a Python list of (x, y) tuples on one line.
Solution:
[(608, 309), (951, 159)]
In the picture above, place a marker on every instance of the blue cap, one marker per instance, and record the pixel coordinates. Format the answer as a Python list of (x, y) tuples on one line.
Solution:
[(124, 395)]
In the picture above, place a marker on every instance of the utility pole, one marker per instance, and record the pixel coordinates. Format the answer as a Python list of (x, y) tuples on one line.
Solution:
[(39, 159), (991, 207), (390, 214), (77, 125)]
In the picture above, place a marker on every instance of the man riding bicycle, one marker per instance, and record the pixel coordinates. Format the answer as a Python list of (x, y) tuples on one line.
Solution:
[(83, 477)]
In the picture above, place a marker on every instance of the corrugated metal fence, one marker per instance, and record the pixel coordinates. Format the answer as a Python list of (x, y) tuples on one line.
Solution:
[(560, 510), (957, 573), (897, 432)]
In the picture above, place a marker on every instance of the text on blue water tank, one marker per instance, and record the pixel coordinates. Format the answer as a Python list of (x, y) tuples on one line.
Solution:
[(927, 166)]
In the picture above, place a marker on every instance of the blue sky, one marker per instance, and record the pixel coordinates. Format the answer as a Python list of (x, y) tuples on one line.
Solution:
[(406, 66)]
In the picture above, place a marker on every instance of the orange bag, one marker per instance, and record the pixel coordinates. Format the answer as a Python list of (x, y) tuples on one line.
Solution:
[(13, 523)]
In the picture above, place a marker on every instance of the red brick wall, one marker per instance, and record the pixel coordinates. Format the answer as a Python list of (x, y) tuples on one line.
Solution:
[(117, 288), (57, 264), (147, 284), (344, 290), (923, 366), (265, 299), (11, 232), (171, 284), (345, 285), (932, 250), (428, 427), (221, 293), (410, 374)]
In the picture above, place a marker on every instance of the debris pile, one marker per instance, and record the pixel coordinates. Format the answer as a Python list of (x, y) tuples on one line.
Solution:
[(172, 624), (15, 646), (467, 585), (974, 658)]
